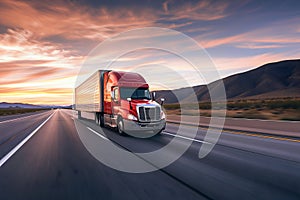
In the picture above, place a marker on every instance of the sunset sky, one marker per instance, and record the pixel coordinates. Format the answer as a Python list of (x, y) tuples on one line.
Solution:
[(43, 45)]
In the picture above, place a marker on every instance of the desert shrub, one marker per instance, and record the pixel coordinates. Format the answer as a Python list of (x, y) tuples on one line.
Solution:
[(13, 111)]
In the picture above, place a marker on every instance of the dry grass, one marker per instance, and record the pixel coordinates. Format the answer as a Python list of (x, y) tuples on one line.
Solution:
[(13, 111), (275, 109)]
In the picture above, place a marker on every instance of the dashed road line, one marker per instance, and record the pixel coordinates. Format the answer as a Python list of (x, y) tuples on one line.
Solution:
[(100, 135), (186, 138)]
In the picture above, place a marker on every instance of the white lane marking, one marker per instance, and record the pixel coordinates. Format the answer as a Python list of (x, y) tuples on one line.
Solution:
[(16, 148), (10, 120), (100, 135), (183, 137)]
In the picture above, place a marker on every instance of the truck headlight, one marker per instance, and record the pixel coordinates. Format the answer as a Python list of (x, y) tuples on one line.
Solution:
[(162, 115), (131, 117)]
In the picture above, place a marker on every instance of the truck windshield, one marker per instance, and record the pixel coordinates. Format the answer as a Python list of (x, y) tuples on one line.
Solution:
[(134, 93)]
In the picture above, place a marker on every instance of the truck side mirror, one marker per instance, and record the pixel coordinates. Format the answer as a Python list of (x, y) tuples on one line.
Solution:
[(153, 96), (112, 94), (129, 100), (115, 94), (162, 101)]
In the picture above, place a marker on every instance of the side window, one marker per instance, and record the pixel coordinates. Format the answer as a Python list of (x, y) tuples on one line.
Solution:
[(116, 95)]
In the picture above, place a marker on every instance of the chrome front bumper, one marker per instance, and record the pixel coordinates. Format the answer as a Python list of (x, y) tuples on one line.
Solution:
[(141, 126)]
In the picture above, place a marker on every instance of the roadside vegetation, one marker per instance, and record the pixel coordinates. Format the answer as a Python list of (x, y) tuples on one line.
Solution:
[(275, 109), (14, 110)]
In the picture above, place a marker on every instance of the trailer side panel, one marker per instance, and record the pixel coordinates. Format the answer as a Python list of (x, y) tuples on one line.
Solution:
[(88, 94)]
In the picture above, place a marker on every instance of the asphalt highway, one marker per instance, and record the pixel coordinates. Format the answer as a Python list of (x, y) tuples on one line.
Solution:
[(43, 157)]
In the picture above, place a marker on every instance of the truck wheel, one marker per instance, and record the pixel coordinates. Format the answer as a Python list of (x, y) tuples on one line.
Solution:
[(101, 120), (120, 126), (158, 132), (96, 119)]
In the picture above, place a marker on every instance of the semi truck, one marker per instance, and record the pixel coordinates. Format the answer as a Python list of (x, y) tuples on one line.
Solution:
[(120, 100)]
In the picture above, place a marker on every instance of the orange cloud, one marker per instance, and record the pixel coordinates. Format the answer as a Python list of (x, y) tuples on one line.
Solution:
[(74, 21), (203, 10), (58, 96), (30, 68), (270, 37), (229, 66), (258, 46), (71, 20), (36, 73), (21, 45), (209, 43)]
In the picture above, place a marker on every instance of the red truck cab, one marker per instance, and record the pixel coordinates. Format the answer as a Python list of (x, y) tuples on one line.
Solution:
[(128, 104)]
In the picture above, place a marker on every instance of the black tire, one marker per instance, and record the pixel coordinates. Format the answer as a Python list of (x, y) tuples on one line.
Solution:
[(101, 120), (96, 118), (159, 132), (120, 126)]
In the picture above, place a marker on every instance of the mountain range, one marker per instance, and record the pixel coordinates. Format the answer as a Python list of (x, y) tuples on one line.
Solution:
[(273, 80)]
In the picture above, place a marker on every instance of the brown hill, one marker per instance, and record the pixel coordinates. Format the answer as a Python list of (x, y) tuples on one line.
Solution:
[(273, 80)]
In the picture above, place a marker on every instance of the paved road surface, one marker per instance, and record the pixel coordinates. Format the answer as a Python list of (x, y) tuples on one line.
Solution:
[(54, 164)]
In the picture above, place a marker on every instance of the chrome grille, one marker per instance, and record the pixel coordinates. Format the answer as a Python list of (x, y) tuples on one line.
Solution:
[(149, 113)]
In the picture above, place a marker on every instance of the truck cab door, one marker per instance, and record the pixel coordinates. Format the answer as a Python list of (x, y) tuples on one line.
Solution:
[(115, 104)]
